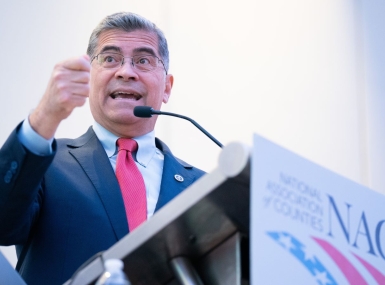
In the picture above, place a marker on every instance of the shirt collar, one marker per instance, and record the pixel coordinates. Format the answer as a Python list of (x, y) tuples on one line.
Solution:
[(146, 144)]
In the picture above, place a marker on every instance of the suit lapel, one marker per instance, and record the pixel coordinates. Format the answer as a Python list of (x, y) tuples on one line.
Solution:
[(90, 154), (170, 186)]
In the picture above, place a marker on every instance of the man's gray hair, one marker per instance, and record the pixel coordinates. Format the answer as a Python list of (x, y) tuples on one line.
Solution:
[(129, 22)]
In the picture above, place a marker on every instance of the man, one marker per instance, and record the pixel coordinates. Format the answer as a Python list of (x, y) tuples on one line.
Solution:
[(60, 201)]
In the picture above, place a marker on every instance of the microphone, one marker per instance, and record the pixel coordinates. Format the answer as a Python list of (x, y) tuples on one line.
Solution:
[(147, 112)]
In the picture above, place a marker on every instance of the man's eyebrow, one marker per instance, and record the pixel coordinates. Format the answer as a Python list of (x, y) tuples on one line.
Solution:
[(111, 48), (145, 50)]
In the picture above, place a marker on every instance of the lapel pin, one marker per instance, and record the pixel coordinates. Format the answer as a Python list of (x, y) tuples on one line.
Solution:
[(178, 178)]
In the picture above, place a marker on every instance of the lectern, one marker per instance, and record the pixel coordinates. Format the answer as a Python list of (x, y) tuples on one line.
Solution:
[(200, 237)]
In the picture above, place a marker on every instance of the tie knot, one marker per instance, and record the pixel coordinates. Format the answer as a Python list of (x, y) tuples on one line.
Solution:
[(127, 144)]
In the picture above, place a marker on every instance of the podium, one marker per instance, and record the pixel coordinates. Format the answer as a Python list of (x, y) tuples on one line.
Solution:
[(308, 225), (8, 275), (200, 237)]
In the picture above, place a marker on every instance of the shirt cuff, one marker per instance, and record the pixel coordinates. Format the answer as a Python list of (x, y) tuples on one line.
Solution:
[(34, 142)]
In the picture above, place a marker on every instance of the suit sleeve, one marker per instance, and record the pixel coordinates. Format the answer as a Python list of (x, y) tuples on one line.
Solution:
[(21, 189)]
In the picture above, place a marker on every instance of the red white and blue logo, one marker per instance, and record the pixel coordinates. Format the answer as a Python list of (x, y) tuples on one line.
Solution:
[(317, 268)]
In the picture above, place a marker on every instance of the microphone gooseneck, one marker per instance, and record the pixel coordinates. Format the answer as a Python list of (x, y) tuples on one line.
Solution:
[(147, 112)]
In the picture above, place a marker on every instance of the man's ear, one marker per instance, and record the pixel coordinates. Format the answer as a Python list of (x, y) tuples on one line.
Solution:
[(168, 87)]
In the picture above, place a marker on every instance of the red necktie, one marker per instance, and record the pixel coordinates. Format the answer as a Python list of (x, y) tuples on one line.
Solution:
[(131, 183)]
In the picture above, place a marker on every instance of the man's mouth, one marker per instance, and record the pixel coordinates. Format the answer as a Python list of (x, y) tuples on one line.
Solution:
[(125, 95)]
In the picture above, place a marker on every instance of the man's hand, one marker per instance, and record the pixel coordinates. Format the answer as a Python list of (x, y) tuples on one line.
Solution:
[(68, 88)]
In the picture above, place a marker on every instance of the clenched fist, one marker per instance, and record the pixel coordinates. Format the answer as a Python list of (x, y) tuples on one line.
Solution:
[(68, 88)]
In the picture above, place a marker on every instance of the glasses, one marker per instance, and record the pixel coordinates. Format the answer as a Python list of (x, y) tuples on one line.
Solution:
[(144, 62)]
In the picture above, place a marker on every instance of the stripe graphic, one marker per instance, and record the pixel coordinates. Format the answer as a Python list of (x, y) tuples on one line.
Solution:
[(350, 272), (377, 275), (321, 275)]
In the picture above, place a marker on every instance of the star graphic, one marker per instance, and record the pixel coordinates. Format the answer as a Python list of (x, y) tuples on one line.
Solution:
[(322, 277), (286, 241), (307, 256)]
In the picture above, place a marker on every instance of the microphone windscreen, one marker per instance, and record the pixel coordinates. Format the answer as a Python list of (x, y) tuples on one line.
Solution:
[(143, 111)]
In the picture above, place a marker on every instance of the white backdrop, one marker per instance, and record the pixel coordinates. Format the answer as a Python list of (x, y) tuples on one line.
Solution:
[(304, 74)]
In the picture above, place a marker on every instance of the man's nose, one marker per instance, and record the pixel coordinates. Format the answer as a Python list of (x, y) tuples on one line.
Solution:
[(127, 70)]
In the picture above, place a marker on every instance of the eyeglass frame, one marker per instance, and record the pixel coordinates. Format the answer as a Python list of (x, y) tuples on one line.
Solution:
[(132, 60)]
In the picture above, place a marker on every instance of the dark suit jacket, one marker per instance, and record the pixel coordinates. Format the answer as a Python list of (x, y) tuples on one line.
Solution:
[(62, 209)]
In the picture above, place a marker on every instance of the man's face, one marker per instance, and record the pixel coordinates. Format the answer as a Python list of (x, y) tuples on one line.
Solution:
[(115, 92)]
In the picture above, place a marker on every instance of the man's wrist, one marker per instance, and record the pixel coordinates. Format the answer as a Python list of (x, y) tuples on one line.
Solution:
[(33, 141)]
